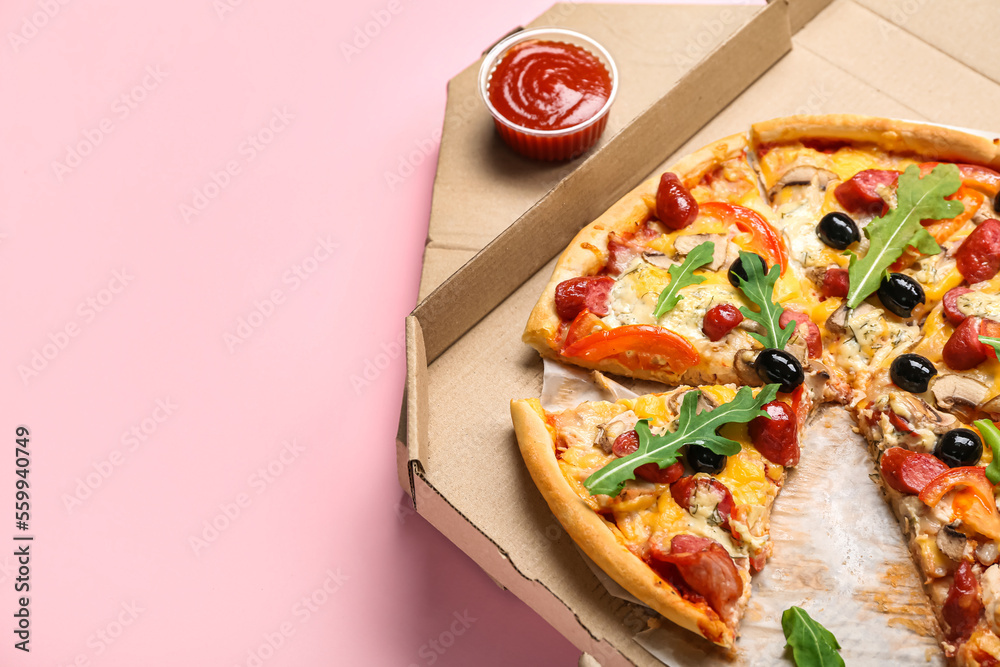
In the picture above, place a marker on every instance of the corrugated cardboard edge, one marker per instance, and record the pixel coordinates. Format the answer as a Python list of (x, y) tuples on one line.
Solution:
[(414, 420)]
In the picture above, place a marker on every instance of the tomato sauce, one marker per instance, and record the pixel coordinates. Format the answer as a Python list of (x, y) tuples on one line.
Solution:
[(544, 85)]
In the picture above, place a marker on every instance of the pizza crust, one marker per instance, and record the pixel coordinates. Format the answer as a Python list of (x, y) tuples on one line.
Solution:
[(897, 136), (592, 534), (588, 253)]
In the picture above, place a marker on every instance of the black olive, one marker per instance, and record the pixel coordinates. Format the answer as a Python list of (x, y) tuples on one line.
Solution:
[(900, 294), (736, 269), (838, 230), (703, 459), (959, 447), (912, 372), (779, 367)]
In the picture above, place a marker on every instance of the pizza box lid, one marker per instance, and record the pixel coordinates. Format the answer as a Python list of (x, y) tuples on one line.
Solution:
[(689, 75)]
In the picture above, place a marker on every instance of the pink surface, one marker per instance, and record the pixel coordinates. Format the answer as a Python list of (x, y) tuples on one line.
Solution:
[(204, 275)]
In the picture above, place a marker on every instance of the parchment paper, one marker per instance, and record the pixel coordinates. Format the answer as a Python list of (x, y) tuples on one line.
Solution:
[(838, 553)]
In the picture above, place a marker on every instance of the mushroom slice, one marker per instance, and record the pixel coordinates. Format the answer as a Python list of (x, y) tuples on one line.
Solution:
[(837, 322), (607, 433), (991, 406), (752, 326), (951, 542), (685, 244), (817, 375), (804, 174), (743, 362), (796, 346), (949, 390), (920, 415), (705, 402), (658, 259)]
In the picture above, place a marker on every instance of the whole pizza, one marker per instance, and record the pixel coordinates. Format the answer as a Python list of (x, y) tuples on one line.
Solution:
[(816, 259)]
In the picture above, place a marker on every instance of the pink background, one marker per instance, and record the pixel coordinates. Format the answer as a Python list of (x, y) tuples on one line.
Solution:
[(204, 276)]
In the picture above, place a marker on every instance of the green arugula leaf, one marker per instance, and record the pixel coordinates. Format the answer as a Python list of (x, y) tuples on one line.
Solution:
[(812, 645), (991, 434), (992, 342), (759, 288), (916, 199), (698, 429), (682, 275)]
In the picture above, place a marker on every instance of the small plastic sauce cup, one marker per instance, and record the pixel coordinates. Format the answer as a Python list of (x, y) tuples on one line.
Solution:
[(561, 143)]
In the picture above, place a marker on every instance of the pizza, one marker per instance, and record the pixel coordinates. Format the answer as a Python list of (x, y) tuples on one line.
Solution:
[(647, 534), (815, 259)]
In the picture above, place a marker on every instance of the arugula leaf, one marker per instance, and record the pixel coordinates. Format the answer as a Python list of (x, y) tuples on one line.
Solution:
[(991, 434), (992, 342), (682, 275), (916, 199), (697, 429), (812, 645), (759, 288)]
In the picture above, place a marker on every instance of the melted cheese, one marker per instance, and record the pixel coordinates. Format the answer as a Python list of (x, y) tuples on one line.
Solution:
[(980, 304), (635, 295), (644, 509), (798, 222)]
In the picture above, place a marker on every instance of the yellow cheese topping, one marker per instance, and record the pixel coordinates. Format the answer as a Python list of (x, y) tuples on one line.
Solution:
[(644, 509)]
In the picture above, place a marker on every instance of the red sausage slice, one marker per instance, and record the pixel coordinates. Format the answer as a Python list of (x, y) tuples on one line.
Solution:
[(686, 490), (950, 301), (628, 442), (859, 193), (963, 607), (836, 282), (909, 472), (964, 349), (720, 320), (777, 438), (575, 294), (675, 207), (978, 258), (707, 568), (806, 328)]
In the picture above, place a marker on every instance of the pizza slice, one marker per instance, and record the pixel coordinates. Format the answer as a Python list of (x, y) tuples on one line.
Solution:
[(652, 289), (670, 493), (927, 416)]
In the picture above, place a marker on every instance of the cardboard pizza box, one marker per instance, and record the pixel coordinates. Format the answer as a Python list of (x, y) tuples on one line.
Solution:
[(689, 75)]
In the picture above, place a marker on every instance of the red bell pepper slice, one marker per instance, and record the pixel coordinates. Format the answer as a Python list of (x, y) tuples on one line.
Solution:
[(973, 502), (974, 176), (677, 351), (765, 238)]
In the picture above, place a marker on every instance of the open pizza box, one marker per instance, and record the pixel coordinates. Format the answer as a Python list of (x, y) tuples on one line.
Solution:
[(689, 75)]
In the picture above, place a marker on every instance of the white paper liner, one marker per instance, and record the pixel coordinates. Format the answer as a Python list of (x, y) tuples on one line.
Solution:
[(839, 553)]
